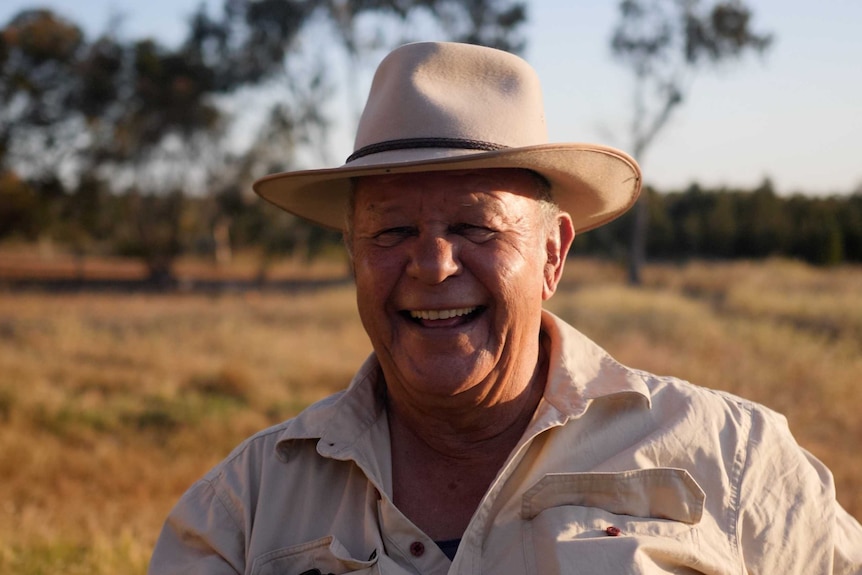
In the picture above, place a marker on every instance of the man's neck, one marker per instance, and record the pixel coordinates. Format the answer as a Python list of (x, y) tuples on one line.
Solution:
[(465, 436), (444, 461)]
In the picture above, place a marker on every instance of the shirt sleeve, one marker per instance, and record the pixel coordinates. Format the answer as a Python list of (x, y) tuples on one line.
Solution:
[(200, 536), (790, 521)]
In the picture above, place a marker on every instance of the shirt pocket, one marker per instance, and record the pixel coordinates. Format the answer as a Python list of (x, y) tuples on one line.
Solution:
[(640, 521), (325, 555)]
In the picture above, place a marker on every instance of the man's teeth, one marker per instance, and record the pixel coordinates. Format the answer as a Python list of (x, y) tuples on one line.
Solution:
[(441, 313)]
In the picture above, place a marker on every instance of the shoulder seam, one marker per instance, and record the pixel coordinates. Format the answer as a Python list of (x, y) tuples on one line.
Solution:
[(226, 504)]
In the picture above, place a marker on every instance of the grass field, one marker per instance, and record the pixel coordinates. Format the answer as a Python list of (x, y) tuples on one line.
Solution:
[(111, 405)]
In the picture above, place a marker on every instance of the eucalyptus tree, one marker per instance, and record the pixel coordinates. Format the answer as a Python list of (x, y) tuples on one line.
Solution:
[(664, 43)]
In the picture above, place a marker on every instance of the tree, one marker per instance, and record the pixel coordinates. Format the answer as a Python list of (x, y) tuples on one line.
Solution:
[(264, 41), (150, 119), (663, 43), (77, 111)]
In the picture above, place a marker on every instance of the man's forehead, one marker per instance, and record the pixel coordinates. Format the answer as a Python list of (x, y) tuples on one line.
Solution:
[(415, 201), (389, 197), (473, 187)]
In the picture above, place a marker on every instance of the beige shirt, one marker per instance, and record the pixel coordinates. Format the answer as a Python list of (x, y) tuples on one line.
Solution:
[(620, 471)]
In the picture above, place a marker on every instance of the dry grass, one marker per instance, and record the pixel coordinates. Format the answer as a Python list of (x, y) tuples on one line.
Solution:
[(111, 405)]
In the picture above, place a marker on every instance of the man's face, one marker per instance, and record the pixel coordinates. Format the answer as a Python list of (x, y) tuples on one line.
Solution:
[(451, 270)]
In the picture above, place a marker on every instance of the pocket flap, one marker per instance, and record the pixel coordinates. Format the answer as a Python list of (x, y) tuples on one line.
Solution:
[(326, 555), (660, 493)]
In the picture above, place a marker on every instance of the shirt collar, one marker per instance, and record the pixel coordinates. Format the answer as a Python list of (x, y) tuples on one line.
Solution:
[(343, 414), (580, 371)]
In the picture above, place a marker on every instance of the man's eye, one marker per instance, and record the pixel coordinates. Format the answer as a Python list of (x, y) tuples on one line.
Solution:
[(392, 236), (474, 233)]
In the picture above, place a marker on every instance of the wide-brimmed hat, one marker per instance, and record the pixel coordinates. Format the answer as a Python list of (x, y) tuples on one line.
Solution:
[(437, 106)]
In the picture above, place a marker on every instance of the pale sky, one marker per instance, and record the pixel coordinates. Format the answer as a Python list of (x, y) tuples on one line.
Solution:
[(794, 115)]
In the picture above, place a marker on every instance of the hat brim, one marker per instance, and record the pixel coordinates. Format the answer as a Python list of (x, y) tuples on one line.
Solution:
[(594, 184)]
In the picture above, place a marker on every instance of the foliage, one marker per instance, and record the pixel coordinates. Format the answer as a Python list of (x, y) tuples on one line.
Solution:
[(721, 223), (72, 105), (740, 224)]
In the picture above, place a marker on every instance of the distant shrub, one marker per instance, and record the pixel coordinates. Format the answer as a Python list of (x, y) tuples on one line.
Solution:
[(229, 382), (157, 418)]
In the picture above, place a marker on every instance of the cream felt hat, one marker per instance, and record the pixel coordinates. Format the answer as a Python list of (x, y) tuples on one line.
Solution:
[(437, 106)]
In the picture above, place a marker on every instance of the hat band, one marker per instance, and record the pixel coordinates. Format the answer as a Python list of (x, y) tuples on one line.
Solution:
[(413, 143)]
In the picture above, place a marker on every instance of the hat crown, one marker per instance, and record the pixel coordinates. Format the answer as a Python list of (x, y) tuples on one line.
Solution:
[(450, 91), (444, 106)]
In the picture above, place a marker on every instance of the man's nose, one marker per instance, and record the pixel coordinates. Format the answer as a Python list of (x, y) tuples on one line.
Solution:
[(434, 259)]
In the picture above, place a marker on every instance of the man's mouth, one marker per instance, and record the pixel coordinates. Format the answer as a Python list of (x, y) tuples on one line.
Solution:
[(439, 315)]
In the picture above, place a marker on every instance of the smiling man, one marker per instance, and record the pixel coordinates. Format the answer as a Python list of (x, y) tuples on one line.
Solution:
[(451, 271), (485, 435)]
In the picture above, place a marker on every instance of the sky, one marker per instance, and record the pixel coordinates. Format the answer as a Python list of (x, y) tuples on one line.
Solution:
[(793, 115)]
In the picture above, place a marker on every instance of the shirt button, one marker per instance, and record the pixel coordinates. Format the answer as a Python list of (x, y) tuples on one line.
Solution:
[(613, 531), (417, 549)]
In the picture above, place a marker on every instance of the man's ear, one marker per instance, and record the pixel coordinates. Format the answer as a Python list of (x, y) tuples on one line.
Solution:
[(559, 240)]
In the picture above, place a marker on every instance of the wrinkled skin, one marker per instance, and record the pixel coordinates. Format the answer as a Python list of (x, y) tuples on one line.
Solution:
[(451, 271)]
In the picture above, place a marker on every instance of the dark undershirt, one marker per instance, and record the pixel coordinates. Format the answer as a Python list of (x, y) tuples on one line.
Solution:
[(449, 547)]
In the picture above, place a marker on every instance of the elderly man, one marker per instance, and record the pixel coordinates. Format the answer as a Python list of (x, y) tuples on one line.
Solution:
[(485, 435)]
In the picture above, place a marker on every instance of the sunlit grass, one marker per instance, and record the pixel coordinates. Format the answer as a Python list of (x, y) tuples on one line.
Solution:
[(111, 405)]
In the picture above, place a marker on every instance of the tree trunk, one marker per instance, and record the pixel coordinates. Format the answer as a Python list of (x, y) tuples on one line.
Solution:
[(637, 247)]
